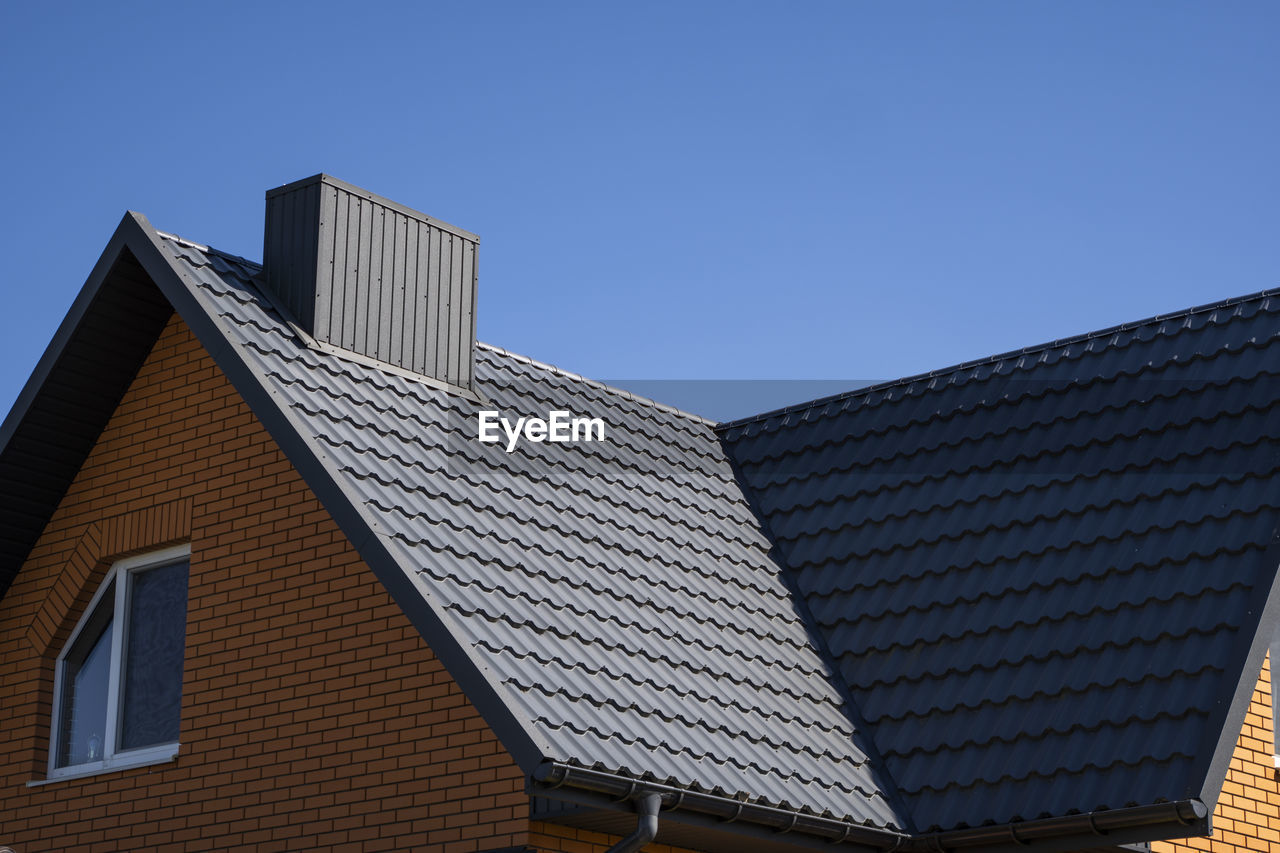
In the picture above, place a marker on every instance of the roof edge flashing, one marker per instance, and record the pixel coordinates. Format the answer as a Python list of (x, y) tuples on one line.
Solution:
[(325, 178), (360, 358), (1255, 638)]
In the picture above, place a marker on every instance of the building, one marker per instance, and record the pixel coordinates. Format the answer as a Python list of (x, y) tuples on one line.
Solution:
[(1021, 602)]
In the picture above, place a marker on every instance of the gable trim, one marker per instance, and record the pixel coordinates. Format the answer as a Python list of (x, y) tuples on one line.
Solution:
[(1252, 645)]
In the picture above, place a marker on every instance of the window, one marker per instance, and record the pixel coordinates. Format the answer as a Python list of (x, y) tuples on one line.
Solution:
[(118, 682)]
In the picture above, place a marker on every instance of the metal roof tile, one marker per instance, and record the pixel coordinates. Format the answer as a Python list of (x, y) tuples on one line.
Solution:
[(1032, 571), (638, 555)]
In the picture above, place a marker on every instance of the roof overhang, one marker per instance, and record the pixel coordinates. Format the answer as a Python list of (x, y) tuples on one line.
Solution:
[(73, 391)]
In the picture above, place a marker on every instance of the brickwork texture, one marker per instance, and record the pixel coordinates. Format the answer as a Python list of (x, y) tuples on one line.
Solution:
[(314, 717)]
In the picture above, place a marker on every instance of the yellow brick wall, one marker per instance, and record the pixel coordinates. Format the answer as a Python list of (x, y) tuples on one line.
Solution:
[(314, 716), (1248, 813)]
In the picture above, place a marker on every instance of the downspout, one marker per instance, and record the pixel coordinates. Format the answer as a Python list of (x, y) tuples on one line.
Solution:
[(646, 825)]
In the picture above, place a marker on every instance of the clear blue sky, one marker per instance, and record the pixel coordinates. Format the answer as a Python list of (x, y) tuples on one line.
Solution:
[(843, 190)]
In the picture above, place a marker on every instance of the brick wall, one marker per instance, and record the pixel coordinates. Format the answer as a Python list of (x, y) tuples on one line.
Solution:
[(313, 715), (1248, 813)]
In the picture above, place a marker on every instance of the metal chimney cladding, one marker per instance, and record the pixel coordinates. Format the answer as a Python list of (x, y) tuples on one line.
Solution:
[(362, 273)]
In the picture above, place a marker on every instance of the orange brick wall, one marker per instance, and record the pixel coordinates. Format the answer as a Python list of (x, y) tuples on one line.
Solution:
[(1248, 813), (313, 715)]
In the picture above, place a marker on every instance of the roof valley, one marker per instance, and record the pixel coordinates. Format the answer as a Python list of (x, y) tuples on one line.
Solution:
[(862, 730)]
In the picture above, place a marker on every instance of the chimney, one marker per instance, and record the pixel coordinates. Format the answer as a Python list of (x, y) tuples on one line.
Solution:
[(365, 275)]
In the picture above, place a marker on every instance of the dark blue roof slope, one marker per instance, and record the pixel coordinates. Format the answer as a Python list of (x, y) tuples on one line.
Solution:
[(1041, 575), (618, 596)]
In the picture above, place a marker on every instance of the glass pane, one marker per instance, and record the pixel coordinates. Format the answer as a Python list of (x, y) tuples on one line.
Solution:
[(151, 695), (85, 674)]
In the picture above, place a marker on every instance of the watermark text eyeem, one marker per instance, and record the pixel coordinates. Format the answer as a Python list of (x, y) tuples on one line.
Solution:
[(559, 427)]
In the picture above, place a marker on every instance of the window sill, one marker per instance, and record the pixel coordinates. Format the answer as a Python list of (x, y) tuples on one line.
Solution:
[(144, 758)]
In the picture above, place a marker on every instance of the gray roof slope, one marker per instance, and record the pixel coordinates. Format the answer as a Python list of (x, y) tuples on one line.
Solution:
[(1042, 574), (618, 596)]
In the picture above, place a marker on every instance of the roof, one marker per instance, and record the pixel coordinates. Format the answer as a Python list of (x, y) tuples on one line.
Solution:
[(1041, 574), (1017, 591), (619, 595)]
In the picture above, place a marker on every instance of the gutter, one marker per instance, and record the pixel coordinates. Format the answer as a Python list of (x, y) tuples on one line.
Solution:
[(553, 774), (1185, 813), (1188, 814)]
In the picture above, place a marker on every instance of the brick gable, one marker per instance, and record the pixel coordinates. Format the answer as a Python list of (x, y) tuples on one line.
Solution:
[(313, 716)]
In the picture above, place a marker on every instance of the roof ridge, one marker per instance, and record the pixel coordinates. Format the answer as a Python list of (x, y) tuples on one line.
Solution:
[(184, 241), (596, 383), (577, 377), (212, 250), (998, 357)]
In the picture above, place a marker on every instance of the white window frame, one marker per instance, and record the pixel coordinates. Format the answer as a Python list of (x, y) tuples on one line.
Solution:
[(111, 759)]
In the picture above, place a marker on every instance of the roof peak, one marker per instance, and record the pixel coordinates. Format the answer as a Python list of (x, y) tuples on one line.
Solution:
[(176, 238)]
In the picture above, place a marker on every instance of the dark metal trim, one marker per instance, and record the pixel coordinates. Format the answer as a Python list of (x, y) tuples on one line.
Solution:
[(323, 178), (1214, 752), (726, 810), (1185, 813)]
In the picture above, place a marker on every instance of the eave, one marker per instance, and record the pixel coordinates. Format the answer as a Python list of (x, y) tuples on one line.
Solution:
[(788, 828)]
